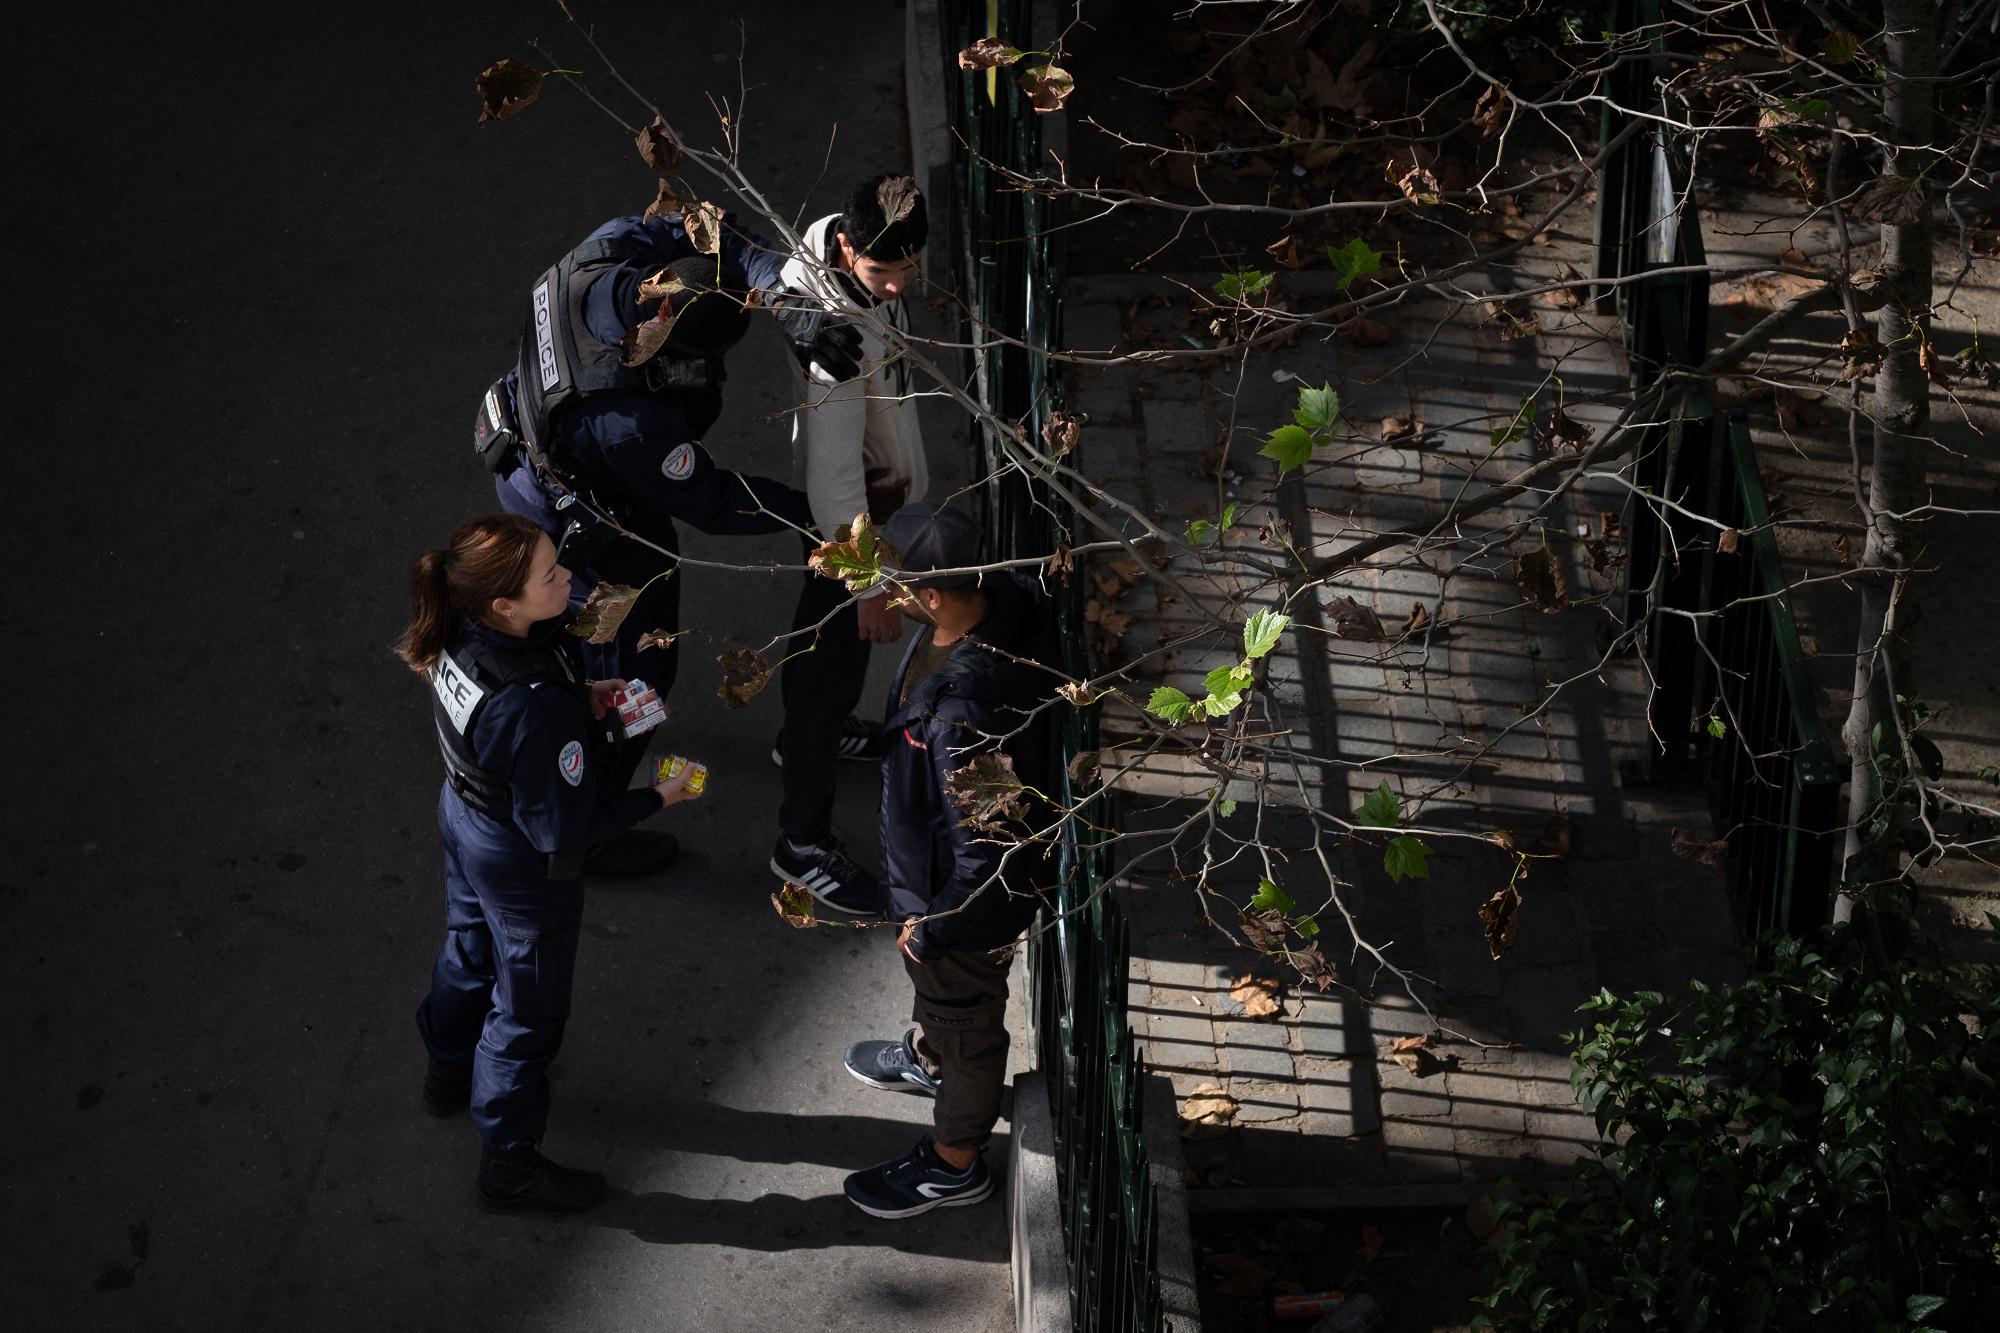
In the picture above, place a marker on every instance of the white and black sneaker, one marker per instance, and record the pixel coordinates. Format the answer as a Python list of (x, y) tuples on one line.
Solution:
[(892, 1066), (835, 880), (917, 1184), (860, 743)]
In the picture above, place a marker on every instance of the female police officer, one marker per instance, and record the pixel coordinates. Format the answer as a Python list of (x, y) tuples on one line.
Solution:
[(521, 802)]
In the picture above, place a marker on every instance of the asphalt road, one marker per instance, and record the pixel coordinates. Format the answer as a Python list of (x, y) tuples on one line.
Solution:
[(262, 262)]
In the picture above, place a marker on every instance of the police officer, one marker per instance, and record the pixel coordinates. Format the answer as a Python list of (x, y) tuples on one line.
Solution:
[(619, 378), (525, 792)]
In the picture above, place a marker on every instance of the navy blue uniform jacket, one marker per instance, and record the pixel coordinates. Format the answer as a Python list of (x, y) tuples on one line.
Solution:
[(526, 733), (619, 444), (931, 861)]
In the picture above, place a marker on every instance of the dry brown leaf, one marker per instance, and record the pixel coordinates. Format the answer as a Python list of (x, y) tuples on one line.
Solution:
[(704, 227), (664, 283), (1568, 297), (897, 196), (1498, 917), (1933, 364), (1047, 87), (1257, 995), (668, 200), (1793, 257), (1896, 201), (1061, 561), (1843, 549), (1540, 575), (1861, 352), (1727, 541), (1419, 186), (1395, 428), (1207, 1104), (1692, 847), (986, 53), (795, 906), (657, 148), (745, 672), (1515, 318), (1414, 1055), (657, 638), (1565, 432), (1491, 110), (505, 87), (603, 612), (1061, 432), (1079, 693), (1351, 620), (643, 341), (1418, 622), (1284, 252)]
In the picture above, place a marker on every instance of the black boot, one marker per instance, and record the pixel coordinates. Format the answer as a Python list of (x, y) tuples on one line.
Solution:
[(631, 854), (447, 1088), (525, 1181)]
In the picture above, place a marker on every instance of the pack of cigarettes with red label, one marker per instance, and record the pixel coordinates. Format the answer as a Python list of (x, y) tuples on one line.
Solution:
[(671, 766), (639, 708)]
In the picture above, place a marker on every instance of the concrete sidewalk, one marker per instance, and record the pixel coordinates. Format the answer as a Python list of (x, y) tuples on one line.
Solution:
[(1456, 715), (260, 327)]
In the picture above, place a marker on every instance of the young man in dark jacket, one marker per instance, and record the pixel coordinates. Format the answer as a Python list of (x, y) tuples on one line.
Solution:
[(976, 684)]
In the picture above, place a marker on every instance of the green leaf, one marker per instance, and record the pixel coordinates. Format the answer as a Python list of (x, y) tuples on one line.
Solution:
[(1923, 1307), (1353, 261), (1261, 631), (1270, 895), (1225, 686), (1406, 857), (1517, 429), (1839, 46), (1229, 516), (1170, 705), (1929, 759), (1307, 928), (1227, 806), (1237, 286), (1199, 531), (1717, 727), (1291, 446), (1382, 809), (1318, 409)]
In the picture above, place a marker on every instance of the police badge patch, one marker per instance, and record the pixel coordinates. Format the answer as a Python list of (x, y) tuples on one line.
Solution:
[(679, 464), (570, 763)]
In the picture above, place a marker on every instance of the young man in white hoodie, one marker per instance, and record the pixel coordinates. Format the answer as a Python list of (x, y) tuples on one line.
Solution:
[(856, 448)]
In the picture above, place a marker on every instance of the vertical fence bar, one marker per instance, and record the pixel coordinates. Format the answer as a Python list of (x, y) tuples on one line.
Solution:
[(1078, 965)]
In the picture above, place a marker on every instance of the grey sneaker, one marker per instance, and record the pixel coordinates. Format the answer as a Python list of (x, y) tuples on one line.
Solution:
[(916, 1184), (892, 1066)]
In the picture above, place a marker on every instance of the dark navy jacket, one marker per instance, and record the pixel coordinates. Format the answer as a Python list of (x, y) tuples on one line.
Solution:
[(931, 861), (622, 444), (525, 733)]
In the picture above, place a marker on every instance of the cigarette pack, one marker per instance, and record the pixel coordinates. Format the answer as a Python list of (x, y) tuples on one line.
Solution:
[(639, 708), (671, 766)]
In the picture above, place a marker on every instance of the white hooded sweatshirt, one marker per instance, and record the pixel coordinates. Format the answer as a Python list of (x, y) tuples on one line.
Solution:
[(849, 434)]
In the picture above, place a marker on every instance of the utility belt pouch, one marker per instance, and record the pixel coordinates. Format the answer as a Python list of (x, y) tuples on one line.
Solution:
[(565, 865), (496, 434)]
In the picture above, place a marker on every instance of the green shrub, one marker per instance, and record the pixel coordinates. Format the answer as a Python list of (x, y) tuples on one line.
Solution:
[(1811, 1149)]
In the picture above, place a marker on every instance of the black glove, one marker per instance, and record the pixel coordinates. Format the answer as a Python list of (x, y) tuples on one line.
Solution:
[(819, 337)]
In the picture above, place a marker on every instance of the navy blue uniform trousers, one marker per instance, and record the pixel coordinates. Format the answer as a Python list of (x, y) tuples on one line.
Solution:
[(500, 990)]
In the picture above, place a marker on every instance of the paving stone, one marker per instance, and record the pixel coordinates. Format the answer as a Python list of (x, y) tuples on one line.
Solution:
[(1259, 1062), (1259, 1102), (1168, 427), (1339, 1096), (1486, 1102), (1418, 1151), (1494, 1157)]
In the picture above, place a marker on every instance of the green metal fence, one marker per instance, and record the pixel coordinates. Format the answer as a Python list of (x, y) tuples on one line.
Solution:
[(1730, 705), (1005, 273)]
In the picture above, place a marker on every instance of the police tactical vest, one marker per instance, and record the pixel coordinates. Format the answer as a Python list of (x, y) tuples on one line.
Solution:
[(561, 359), (468, 674)]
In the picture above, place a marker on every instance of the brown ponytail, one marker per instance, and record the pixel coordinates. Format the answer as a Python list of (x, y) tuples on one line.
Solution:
[(489, 556)]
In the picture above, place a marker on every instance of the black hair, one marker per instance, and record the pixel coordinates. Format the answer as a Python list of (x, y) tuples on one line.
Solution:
[(865, 220)]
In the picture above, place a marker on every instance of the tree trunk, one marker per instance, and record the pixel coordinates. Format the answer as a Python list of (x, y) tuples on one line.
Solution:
[(1901, 434)]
